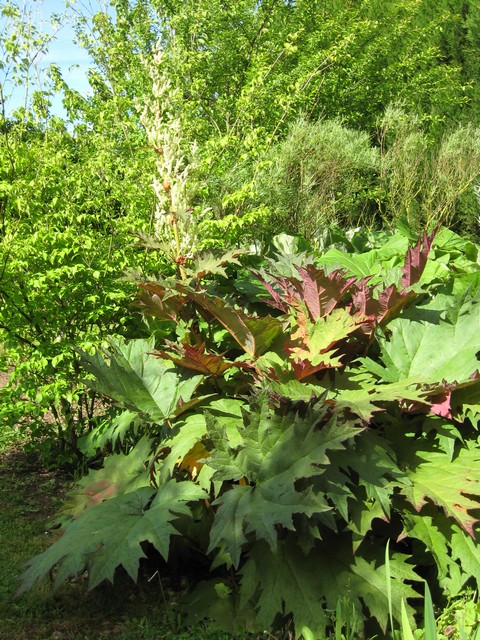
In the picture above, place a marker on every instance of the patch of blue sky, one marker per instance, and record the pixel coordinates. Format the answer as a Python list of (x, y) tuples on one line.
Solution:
[(63, 50)]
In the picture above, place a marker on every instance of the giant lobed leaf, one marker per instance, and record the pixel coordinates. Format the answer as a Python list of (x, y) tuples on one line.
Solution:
[(368, 397), (187, 433), (447, 483), (427, 348), (289, 581), (455, 551), (260, 510), (275, 453), (110, 534), (253, 334), (120, 474), (354, 264), (374, 468), (139, 381), (465, 552), (109, 432)]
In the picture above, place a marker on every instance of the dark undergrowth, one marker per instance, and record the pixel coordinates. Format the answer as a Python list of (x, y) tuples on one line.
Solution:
[(29, 496)]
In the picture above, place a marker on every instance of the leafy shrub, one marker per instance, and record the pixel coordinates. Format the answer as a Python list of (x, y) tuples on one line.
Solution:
[(321, 173), (296, 418), (324, 173), (66, 242)]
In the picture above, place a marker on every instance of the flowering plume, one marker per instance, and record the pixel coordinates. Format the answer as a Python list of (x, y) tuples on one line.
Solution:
[(160, 116)]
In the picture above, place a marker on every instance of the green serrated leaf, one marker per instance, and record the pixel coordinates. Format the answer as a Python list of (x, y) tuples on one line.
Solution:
[(107, 522), (139, 381), (427, 348), (208, 264), (423, 528), (121, 474), (284, 581), (276, 453), (366, 400), (110, 534), (447, 483), (259, 510)]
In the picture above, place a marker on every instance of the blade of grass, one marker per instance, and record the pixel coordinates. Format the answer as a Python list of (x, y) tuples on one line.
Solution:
[(307, 634), (461, 631), (430, 626), (338, 621), (388, 576), (407, 633)]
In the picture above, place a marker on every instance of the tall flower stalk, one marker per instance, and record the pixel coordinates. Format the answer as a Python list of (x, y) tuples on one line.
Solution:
[(175, 161)]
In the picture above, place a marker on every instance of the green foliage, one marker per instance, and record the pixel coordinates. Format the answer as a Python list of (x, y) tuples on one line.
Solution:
[(242, 78), (71, 198), (324, 173), (297, 452), (288, 411)]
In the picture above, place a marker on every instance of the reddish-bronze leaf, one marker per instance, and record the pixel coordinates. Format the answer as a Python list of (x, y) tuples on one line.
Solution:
[(195, 358), (416, 259), (318, 291), (156, 300), (321, 292), (380, 310), (253, 334)]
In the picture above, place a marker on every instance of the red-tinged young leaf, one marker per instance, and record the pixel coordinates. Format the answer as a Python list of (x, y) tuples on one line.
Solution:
[(362, 298), (155, 300), (313, 347), (318, 291), (253, 334), (391, 302), (383, 308), (282, 300), (302, 368), (441, 405), (321, 292), (416, 259), (193, 357)]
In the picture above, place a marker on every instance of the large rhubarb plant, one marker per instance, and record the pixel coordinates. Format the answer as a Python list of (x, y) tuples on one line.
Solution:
[(289, 416)]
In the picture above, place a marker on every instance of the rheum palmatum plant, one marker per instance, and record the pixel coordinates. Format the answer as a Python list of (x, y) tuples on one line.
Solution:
[(297, 419), (174, 224)]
